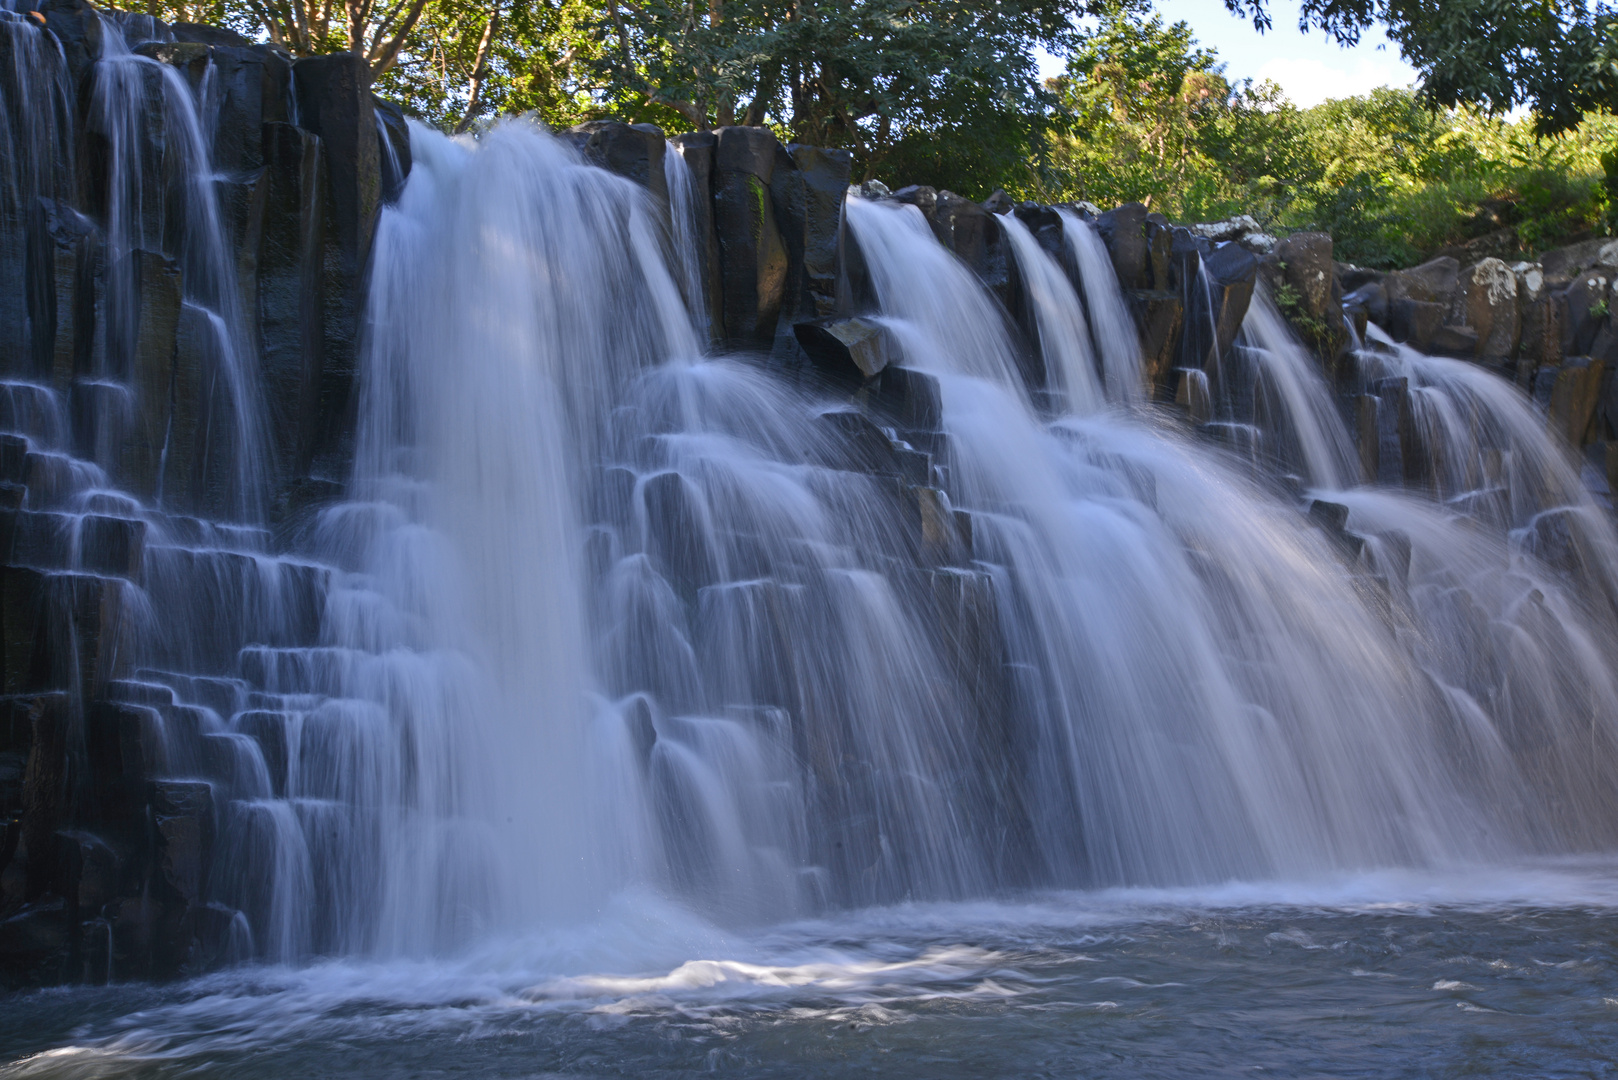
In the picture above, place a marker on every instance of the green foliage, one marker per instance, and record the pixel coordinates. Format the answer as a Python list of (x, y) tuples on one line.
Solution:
[(943, 92), (1314, 330), (1148, 116), (921, 91), (1145, 115)]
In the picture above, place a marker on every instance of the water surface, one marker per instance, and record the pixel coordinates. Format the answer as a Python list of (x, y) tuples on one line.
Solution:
[(1476, 973)]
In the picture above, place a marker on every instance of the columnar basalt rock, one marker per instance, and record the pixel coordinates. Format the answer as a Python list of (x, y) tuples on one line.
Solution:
[(115, 519), (117, 422)]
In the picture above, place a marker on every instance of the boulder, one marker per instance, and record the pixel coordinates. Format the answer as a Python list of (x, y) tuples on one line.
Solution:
[(910, 397), (290, 309), (123, 428), (856, 444), (1436, 281), (846, 350), (1123, 230), (1415, 322), (1584, 310), (1159, 254), (1352, 278), (1230, 229), (788, 199), (1565, 263), (1160, 318), (677, 532), (64, 254), (752, 256), (395, 147), (1232, 274), (208, 35), (251, 87), (193, 426), (1304, 262), (183, 819), (335, 103), (124, 747), (111, 546), (1046, 226), (1460, 342), (999, 203), (976, 238), (149, 167), (46, 802), (1542, 317), (84, 634), (1575, 398), (825, 184), (1370, 298), (634, 151)]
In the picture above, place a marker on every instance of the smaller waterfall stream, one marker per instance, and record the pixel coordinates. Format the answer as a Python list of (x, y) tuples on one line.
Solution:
[(1110, 323), (685, 235), (129, 91), (639, 689), (1064, 338)]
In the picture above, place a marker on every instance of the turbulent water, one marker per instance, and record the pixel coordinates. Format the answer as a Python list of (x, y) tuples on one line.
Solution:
[(643, 734), (1385, 975)]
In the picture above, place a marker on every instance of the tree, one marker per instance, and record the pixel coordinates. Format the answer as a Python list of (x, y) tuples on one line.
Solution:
[(1558, 57), (468, 61), (1131, 97), (1145, 114), (940, 91), (375, 29)]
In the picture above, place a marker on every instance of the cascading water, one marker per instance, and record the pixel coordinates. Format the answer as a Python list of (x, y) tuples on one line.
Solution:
[(607, 606), (131, 92), (36, 152), (1289, 400), (1110, 323), (1064, 339), (609, 632), (684, 231)]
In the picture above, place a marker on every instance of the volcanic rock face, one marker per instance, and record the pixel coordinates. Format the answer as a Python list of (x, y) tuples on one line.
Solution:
[(181, 340)]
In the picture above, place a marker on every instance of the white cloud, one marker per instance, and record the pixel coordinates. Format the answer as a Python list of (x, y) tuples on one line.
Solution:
[(1309, 82)]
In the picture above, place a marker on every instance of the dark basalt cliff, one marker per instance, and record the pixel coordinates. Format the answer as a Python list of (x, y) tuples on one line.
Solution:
[(147, 536)]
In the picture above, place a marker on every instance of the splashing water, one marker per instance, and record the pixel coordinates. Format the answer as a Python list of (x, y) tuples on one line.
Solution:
[(619, 644)]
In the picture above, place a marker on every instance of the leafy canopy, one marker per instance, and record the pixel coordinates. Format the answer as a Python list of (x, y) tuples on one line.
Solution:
[(1557, 57), (936, 91)]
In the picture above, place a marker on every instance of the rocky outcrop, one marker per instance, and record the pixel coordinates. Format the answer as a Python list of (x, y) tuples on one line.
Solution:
[(117, 435), (143, 619), (1545, 324)]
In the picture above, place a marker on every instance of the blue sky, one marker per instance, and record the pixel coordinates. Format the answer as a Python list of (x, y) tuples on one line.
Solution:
[(1309, 67)]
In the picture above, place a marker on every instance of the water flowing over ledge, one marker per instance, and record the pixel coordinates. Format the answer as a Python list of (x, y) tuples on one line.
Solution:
[(861, 580)]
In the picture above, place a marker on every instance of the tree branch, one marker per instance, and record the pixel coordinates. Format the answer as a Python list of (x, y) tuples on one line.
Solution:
[(384, 58), (480, 68)]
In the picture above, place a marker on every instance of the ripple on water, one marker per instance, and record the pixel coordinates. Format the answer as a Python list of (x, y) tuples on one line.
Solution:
[(1386, 975)]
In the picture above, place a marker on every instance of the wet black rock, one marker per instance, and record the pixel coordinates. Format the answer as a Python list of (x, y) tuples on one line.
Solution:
[(752, 256)]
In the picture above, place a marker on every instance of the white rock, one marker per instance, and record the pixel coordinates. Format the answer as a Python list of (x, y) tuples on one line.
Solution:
[(1230, 229), (1496, 280)]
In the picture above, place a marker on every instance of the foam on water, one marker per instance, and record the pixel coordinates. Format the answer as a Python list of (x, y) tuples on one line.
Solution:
[(645, 959)]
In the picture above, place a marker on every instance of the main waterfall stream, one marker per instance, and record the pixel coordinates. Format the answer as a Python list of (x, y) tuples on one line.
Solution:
[(637, 740)]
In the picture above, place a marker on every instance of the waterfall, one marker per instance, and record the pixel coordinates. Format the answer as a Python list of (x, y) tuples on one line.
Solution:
[(685, 228), (36, 155), (1185, 717), (1283, 382), (1063, 336), (133, 92), (600, 614), (1110, 322), (609, 615)]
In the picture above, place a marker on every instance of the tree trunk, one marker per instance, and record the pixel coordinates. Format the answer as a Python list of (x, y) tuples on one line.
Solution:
[(480, 69)]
